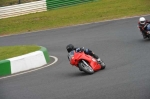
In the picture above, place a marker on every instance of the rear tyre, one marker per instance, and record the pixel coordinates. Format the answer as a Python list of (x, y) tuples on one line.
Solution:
[(87, 69)]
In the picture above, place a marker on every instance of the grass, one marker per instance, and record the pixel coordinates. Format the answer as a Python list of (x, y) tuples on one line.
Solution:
[(13, 51), (89, 12)]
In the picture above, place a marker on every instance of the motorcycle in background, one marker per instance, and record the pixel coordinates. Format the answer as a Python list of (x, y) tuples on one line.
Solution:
[(147, 27), (148, 30)]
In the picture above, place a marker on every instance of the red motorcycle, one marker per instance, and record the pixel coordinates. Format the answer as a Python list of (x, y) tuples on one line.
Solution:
[(85, 62)]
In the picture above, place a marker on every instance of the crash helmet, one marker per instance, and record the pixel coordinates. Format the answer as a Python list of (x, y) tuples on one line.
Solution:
[(69, 47), (142, 20)]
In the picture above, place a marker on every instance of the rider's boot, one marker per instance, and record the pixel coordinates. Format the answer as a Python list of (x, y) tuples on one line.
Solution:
[(98, 59), (144, 35), (100, 62)]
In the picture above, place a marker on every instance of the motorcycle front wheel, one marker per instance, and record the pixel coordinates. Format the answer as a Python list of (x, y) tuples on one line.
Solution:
[(84, 66)]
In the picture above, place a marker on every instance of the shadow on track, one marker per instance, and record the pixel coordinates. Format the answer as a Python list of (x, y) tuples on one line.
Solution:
[(81, 74), (78, 74), (144, 41)]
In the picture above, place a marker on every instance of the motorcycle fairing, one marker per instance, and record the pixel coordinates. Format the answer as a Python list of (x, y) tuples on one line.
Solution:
[(78, 56)]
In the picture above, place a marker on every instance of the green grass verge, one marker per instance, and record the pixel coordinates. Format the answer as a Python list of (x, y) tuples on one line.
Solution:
[(84, 13), (13, 51)]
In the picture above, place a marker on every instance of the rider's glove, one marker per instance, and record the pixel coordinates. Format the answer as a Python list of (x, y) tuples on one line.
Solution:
[(78, 50)]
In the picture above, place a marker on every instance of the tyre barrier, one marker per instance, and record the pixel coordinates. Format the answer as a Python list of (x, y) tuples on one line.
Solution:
[(24, 62)]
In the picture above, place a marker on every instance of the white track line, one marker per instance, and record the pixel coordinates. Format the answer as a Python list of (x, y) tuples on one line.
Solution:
[(55, 60)]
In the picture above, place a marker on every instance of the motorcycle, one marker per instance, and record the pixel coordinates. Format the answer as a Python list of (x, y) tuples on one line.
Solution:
[(148, 30), (147, 27), (85, 62)]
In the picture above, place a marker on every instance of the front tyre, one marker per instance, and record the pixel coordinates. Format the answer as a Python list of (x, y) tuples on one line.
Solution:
[(84, 66)]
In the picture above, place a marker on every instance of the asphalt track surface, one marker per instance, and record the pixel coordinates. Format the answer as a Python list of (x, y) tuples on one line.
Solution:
[(120, 45)]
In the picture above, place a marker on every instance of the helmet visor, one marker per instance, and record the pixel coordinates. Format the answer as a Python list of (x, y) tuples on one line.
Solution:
[(142, 22)]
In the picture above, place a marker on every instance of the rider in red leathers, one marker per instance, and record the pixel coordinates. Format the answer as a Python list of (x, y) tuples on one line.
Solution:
[(142, 26), (70, 48)]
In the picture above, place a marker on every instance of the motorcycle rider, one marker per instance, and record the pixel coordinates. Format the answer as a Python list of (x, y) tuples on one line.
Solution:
[(71, 47), (142, 26)]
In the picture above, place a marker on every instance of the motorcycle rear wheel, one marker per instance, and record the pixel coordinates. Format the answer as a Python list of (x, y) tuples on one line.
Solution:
[(85, 68)]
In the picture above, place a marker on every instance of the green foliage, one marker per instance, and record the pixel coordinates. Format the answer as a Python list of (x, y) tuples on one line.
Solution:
[(13, 51)]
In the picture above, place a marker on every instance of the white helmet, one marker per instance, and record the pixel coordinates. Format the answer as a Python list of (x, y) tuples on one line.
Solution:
[(142, 20)]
